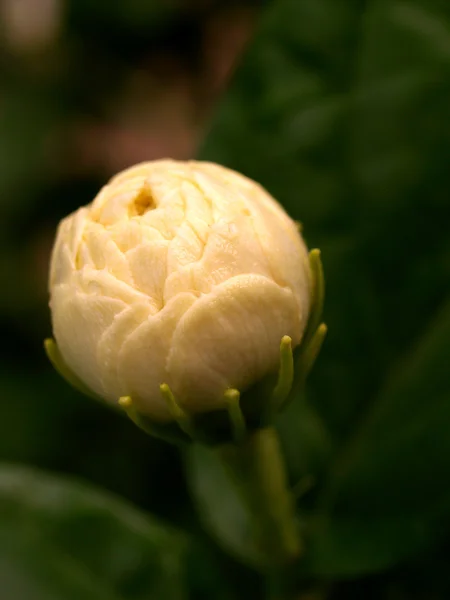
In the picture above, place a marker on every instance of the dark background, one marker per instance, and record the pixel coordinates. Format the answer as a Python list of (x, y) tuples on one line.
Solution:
[(341, 110)]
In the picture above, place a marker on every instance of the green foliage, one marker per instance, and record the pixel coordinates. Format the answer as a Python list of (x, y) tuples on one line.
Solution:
[(64, 539), (382, 499), (219, 505)]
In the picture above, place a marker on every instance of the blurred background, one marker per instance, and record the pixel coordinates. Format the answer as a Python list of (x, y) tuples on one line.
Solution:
[(342, 110)]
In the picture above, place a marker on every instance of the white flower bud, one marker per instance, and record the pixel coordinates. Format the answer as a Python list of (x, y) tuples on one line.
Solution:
[(184, 273)]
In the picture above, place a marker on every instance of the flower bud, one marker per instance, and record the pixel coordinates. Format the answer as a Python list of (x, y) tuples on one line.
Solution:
[(185, 274)]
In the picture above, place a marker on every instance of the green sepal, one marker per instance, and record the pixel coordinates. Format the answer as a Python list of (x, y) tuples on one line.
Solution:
[(211, 429), (308, 356), (168, 432), (180, 416), (237, 419), (317, 296), (285, 374), (308, 350)]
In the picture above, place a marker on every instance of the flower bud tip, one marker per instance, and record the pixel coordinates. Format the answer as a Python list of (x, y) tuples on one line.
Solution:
[(125, 402), (237, 419), (232, 395), (286, 341), (178, 414), (322, 330), (169, 398)]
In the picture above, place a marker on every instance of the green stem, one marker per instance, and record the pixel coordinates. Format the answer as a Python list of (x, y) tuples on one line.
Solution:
[(258, 470)]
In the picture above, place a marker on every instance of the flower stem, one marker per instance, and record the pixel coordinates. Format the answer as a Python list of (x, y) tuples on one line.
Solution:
[(257, 469)]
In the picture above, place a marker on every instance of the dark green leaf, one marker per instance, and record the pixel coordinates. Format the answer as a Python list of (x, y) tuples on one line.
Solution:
[(219, 505), (384, 500), (62, 539), (32, 568), (305, 442)]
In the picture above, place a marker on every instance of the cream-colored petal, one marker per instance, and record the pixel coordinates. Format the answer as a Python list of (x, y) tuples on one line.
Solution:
[(106, 255), (148, 266), (180, 281), (184, 249), (225, 199), (64, 253), (166, 219), (143, 169), (79, 321), (102, 283), (130, 233), (230, 338), (110, 346), (232, 249), (62, 264), (77, 223), (142, 359), (198, 208), (286, 254)]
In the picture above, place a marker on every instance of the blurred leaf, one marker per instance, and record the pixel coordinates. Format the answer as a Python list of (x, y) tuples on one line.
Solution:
[(305, 442), (63, 539), (388, 495), (340, 109), (219, 505), (33, 569), (209, 575)]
